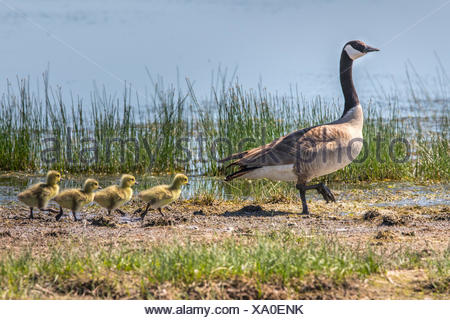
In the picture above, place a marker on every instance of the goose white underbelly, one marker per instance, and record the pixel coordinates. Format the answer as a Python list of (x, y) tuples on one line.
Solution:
[(276, 173), (321, 163)]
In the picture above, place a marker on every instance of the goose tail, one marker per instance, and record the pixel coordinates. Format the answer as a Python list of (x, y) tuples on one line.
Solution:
[(239, 173)]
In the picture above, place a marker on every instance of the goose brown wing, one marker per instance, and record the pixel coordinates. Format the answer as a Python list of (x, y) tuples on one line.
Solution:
[(280, 151), (301, 144)]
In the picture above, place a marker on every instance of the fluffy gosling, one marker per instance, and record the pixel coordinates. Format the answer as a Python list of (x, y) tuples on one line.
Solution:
[(160, 196), (75, 199), (113, 197), (38, 195)]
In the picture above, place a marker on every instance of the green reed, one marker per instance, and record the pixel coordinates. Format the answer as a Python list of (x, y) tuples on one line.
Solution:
[(174, 130)]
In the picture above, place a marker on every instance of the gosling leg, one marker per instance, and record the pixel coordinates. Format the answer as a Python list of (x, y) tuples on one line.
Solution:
[(31, 213), (122, 213), (60, 214), (143, 214), (160, 211), (74, 216)]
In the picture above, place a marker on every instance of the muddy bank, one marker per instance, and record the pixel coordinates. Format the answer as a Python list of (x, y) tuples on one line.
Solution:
[(353, 222)]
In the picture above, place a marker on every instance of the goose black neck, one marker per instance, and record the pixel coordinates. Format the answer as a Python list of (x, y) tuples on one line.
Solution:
[(348, 89)]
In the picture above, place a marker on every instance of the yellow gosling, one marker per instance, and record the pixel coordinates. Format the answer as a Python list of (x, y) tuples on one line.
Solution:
[(38, 195), (160, 196), (75, 199), (113, 197)]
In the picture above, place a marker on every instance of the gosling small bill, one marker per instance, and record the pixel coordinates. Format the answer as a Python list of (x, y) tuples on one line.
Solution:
[(160, 196), (75, 199), (112, 197), (38, 195)]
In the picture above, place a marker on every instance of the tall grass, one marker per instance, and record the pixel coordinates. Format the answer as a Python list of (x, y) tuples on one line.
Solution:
[(175, 131), (280, 258)]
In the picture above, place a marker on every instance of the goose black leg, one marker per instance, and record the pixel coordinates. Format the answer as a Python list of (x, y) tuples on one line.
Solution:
[(60, 214), (323, 190), (326, 193), (160, 211), (302, 189), (74, 216), (31, 213)]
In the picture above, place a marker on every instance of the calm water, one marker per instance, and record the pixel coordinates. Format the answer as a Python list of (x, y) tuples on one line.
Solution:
[(88, 43)]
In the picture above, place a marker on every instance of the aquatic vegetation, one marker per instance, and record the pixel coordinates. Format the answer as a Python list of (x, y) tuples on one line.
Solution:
[(176, 131)]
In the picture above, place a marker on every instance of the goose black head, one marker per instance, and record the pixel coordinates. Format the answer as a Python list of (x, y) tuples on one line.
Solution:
[(356, 49)]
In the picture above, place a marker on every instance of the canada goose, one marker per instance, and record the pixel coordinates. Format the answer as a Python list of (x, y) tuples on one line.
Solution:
[(160, 196), (41, 193), (75, 199), (311, 152), (114, 196)]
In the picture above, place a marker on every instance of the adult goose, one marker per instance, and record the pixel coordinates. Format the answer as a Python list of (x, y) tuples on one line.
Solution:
[(311, 152)]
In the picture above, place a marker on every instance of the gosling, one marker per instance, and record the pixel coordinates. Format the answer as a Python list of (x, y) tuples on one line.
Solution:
[(112, 197), (75, 199), (41, 193), (160, 196)]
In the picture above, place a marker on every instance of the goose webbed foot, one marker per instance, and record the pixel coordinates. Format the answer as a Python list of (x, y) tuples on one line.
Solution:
[(326, 193)]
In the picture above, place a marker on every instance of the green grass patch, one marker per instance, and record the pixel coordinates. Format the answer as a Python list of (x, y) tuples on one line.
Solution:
[(111, 271)]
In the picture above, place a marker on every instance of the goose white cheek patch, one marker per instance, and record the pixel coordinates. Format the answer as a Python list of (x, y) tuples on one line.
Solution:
[(352, 52)]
